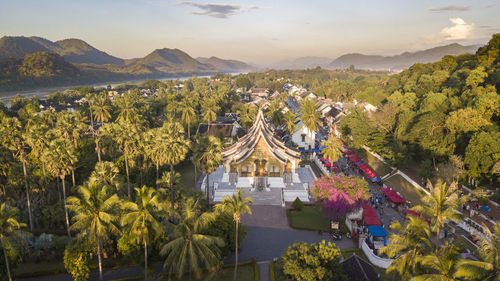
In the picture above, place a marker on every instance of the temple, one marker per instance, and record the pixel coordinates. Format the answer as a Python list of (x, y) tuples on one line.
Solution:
[(261, 162)]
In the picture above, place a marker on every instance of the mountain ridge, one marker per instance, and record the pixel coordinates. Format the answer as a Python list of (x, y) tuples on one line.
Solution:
[(400, 61)]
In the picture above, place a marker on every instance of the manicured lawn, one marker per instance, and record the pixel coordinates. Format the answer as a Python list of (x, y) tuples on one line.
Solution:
[(378, 166), (309, 218), (38, 269), (407, 190)]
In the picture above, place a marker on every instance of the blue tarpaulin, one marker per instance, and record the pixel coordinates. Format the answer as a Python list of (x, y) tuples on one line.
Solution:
[(377, 231), (376, 179), (485, 208)]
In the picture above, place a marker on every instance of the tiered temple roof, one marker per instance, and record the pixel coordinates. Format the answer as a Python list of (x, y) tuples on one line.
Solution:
[(244, 147)]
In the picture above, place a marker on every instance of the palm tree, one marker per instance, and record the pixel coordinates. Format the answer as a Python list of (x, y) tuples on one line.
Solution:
[(235, 206), (127, 111), (274, 113), (440, 205), (209, 116), (207, 156), (333, 148), (168, 146), (440, 266), (309, 115), (13, 139), (188, 115), (247, 114), (38, 138), (141, 219), (488, 269), (188, 247), (90, 99), (125, 137), (289, 119), (94, 215), (101, 108), (409, 244), (106, 173), (61, 156), (9, 230)]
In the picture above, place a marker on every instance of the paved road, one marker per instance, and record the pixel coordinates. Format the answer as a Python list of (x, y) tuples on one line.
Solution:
[(265, 244)]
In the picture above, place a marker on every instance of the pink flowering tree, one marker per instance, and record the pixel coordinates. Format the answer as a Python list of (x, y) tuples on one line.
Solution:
[(339, 194)]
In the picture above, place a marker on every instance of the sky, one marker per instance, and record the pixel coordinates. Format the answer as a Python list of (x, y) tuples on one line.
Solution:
[(257, 31)]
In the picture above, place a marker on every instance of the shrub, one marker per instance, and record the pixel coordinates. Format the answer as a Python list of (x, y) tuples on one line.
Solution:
[(310, 262), (76, 259), (297, 204), (225, 227)]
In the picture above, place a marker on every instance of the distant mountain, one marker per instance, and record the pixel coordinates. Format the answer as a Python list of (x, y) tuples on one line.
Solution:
[(302, 63), (226, 65), (72, 50), (399, 62), (171, 61)]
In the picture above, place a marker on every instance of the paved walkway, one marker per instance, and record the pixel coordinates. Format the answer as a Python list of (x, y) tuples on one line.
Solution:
[(264, 243), (264, 270), (266, 216)]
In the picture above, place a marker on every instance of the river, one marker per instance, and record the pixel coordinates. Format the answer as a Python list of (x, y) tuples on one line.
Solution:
[(43, 92)]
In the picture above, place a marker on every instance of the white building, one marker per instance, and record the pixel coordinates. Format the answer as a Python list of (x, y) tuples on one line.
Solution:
[(303, 137)]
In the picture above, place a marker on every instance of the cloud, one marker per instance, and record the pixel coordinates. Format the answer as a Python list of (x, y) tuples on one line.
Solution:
[(489, 6), (217, 10), (459, 30), (449, 8)]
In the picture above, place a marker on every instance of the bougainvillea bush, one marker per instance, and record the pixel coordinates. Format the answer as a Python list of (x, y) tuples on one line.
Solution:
[(339, 194)]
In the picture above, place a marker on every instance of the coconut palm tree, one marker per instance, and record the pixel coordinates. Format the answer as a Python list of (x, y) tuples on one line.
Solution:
[(274, 113), (188, 247), (209, 115), (178, 147), (14, 140), (247, 114), (439, 266), (207, 156), (441, 204), (333, 148), (409, 243), (141, 220), (94, 215), (38, 138), (168, 146), (106, 173), (61, 156), (125, 138), (488, 268), (126, 104), (188, 115), (102, 108), (235, 206), (9, 230), (289, 119), (309, 115)]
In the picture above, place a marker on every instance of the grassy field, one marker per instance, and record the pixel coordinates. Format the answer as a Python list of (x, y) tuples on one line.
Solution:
[(311, 218), (378, 166), (407, 190)]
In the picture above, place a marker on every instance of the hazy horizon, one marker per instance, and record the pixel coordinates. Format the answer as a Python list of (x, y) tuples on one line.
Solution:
[(255, 31)]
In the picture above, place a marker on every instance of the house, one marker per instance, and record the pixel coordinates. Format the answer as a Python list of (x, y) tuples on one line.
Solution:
[(357, 269), (306, 95), (275, 95), (259, 92), (226, 126), (303, 137)]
